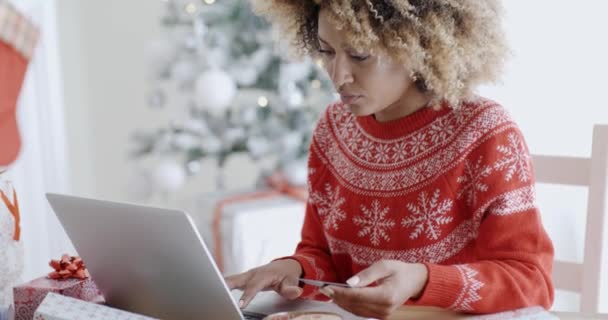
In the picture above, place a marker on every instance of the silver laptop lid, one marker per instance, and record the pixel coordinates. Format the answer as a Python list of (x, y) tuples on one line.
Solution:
[(146, 260)]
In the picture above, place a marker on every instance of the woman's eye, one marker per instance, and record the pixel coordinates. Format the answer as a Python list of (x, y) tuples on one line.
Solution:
[(360, 58), (325, 52)]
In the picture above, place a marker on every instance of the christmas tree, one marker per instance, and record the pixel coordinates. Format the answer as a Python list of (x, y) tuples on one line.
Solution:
[(238, 91)]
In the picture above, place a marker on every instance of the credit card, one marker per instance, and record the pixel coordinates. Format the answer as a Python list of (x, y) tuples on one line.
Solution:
[(321, 284)]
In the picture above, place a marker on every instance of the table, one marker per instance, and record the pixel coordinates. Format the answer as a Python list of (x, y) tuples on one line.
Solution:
[(427, 313), (269, 302)]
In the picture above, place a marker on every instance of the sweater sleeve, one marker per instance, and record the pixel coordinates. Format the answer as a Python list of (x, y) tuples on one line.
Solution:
[(513, 255), (312, 251)]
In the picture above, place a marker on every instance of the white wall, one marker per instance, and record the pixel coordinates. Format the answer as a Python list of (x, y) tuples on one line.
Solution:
[(554, 87), (102, 45)]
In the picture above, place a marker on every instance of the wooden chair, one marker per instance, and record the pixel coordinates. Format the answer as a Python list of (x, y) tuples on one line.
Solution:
[(591, 172)]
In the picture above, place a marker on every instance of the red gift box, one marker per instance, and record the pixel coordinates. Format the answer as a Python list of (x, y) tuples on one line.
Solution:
[(27, 297), (70, 278)]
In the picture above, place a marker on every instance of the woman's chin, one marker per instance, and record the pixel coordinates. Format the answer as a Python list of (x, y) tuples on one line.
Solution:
[(358, 110)]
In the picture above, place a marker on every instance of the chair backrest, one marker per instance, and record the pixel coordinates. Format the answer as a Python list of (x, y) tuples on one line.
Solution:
[(591, 172)]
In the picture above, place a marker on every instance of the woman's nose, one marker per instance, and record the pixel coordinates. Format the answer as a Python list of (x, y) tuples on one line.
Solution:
[(341, 72)]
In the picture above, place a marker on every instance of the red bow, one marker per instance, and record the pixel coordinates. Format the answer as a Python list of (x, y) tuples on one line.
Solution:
[(279, 182), (68, 267)]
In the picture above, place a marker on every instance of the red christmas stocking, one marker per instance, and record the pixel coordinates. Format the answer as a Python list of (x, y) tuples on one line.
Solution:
[(18, 37)]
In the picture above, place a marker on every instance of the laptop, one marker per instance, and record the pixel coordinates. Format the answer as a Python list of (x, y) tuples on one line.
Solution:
[(153, 261), (147, 260)]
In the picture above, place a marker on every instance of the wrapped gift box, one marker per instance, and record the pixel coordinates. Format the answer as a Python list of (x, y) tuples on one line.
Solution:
[(27, 297), (253, 231), (58, 307)]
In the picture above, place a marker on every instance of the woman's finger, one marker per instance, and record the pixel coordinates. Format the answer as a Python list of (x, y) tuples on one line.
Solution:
[(373, 273), (289, 291), (254, 286), (237, 281), (375, 295)]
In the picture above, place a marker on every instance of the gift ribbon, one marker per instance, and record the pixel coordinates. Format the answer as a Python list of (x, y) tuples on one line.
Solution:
[(13, 208), (68, 267), (279, 186)]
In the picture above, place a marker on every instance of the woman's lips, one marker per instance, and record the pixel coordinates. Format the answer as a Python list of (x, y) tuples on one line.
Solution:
[(349, 99)]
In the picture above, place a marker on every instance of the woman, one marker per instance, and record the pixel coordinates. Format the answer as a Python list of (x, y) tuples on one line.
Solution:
[(420, 192)]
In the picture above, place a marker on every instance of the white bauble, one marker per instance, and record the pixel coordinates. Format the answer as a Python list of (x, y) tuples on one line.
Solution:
[(296, 172), (214, 91), (169, 176)]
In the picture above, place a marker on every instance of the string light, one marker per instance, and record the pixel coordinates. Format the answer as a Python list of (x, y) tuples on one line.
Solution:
[(209, 1), (319, 63), (262, 101), (190, 8), (316, 84)]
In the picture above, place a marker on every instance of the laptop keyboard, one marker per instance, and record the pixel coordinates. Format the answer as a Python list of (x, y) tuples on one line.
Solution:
[(253, 316)]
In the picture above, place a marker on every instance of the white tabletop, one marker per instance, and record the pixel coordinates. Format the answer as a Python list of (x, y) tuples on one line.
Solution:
[(270, 302)]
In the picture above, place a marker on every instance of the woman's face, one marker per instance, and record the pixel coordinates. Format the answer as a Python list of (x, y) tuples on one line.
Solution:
[(368, 84)]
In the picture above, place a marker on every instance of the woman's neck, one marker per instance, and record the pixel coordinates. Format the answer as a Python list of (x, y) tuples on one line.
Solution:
[(412, 101)]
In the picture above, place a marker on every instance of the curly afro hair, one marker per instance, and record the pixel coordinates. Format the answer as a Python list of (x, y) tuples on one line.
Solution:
[(452, 45)]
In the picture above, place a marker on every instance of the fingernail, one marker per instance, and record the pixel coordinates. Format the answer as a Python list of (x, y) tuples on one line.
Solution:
[(353, 281), (330, 301), (327, 292), (241, 304)]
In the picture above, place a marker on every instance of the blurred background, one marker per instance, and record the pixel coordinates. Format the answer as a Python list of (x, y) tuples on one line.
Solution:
[(178, 104)]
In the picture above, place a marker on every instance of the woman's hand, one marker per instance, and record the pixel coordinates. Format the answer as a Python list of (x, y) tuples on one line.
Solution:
[(280, 276), (396, 283)]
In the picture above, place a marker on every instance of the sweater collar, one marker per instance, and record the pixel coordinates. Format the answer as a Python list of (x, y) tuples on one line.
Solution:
[(399, 127)]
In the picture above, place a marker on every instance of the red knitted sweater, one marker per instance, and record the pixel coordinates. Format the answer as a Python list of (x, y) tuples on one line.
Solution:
[(450, 188)]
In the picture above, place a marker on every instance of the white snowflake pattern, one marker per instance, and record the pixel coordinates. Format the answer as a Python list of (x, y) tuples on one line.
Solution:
[(366, 149), (471, 181), (400, 151), (328, 206), (374, 223), (419, 143), (421, 171), (470, 289), (516, 159), (382, 151), (428, 216), (441, 130), (347, 129), (354, 141)]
